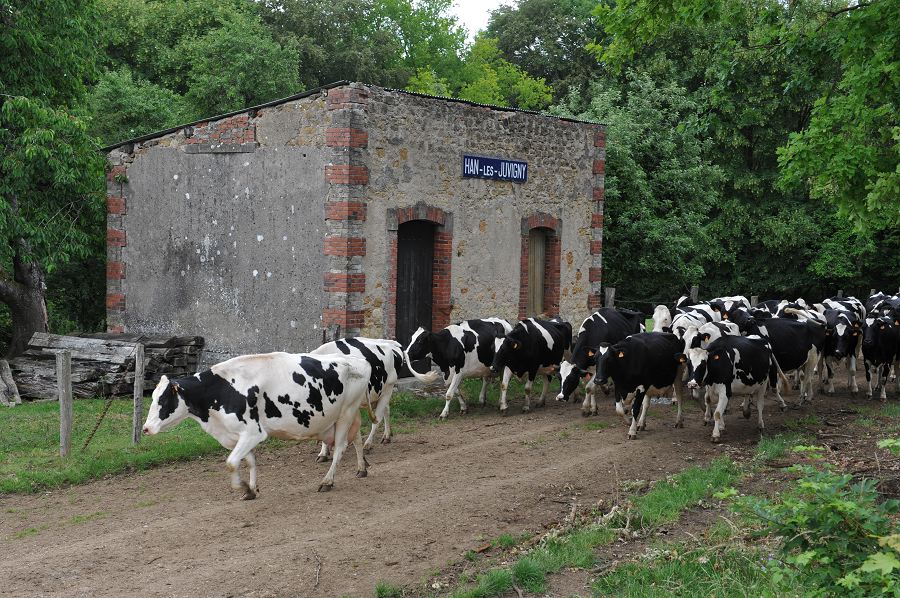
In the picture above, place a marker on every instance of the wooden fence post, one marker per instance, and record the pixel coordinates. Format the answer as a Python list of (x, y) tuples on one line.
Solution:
[(9, 394), (840, 293), (871, 292), (64, 389), (754, 299), (695, 293), (138, 419), (610, 296)]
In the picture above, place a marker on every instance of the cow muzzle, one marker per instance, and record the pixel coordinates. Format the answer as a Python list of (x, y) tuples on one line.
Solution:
[(692, 384)]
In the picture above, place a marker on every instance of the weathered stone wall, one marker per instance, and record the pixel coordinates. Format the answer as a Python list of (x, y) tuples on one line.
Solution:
[(219, 231), (415, 149)]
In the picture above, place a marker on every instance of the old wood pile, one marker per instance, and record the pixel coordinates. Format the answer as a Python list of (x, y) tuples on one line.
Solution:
[(102, 363)]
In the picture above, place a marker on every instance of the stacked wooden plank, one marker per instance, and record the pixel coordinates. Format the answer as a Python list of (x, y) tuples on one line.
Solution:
[(102, 364)]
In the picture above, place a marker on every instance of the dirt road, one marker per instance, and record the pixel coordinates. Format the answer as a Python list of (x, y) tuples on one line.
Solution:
[(430, 496)]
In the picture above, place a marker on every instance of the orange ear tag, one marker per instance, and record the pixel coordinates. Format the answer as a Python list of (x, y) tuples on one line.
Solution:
[(621, 354), (715, 357)]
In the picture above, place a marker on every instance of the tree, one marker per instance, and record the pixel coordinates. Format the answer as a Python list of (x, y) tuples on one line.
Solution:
[(846, 146), (549, 39), (121, 106), (660, 188), (51, 174)]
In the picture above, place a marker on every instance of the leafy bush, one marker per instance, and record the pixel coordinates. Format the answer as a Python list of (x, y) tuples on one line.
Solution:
[(835, 533)]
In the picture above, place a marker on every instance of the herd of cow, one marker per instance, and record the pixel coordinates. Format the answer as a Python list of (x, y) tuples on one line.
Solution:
[(721, 348)]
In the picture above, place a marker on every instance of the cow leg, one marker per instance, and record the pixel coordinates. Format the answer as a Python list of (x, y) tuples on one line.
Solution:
[(867, 367), (709, 398), (482, 396), (585, 404), (851, 374), (252, 489), (719, 414), (594, 390), (829, 374), (343, 430), (679, 398), (808, 388), (361, 463), (247, 441), (645, 405), (528, 384), (636, 410), (745, 407), (504, 386), (760, 397), (451, 391), (323, 454), (543, 398)]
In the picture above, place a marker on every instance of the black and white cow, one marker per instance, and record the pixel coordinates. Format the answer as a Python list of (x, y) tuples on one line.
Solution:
[(533, 347), (797, 345), (702, 309), (880, 347), (464, 350), (243, 401), (695, 342), (796, 311), (646, 364), (844, 317), (385, 357), (736, 365), (606, 325), (725, 305)]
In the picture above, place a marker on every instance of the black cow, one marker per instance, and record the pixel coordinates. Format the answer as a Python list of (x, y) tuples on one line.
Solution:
[(533, 347), (797, 345), (644, 363), (880, 350), (464, 350), (843, 330), (606, 325), (742, 365)]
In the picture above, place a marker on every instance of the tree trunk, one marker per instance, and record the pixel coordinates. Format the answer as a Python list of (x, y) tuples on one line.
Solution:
[(29, 315)]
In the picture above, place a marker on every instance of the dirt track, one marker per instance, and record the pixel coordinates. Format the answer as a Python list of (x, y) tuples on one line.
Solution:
[(430, 496)]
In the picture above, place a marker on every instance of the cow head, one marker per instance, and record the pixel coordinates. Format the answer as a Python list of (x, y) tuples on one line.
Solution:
[(167, 409), (710, 364), (846, 332), (662, 319), (878, 328), (512, 345), (570, 375), (419, 345)]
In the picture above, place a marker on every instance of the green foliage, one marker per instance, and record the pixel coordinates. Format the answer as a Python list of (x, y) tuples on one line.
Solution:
[(835, 532), (51, 184), (239, 65), (386, 590), (660, 187), (122, 106), (529, 575), (491, 583), (771, 448)]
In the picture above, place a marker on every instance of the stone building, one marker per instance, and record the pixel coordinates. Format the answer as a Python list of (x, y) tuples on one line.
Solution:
[(352, 206)]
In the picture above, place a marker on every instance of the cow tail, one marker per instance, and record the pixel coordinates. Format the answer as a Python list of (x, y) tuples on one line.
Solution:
[(426, 378), (775, 373)]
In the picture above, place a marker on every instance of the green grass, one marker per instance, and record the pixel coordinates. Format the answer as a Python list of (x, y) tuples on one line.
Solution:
[(591, 426), (808, 421), (775, 447), (29, 445), (667, 499), (682, 572), (491, 583), (890, 410), (386, 590)]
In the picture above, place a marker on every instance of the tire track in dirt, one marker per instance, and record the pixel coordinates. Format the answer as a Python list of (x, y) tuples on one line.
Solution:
[(430, 496)]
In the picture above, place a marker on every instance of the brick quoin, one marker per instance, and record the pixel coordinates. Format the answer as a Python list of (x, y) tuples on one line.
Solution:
[(596, 247), (343, 317), (345, 174), (115, 301), (115, 270), (594, 274), (599, 193), (234, 130), (345, 246), (596, 220), (115, 205), (346, 137), (115, 237), (595, 301), (114, 172), (600, 138), (118, 329), (341, 282), (345, 210), (599, 167), (340, 98)]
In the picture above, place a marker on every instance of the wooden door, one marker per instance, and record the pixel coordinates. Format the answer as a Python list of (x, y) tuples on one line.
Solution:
[(537, 257), (415, 257)]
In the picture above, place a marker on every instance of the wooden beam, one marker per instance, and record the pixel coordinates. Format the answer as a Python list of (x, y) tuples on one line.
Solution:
[(64, 392), (138, 418)]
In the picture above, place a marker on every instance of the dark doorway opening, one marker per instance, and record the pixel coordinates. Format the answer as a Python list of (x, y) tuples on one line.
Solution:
[(415, 261)]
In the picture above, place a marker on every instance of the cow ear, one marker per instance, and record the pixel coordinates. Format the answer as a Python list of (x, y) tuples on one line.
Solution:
[(590, 353), (680, 358), (706, 336), (176, 387), (515, 344)]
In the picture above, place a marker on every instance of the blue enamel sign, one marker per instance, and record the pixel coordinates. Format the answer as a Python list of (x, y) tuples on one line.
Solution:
[(495, 168)]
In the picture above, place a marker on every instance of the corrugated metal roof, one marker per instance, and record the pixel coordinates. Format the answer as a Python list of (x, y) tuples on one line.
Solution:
[(311, 92)]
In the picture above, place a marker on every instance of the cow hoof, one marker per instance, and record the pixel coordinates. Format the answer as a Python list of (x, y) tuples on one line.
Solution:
[(632, 437), (321, 459), (679, 424), (326, 487), (747, 415), (362, 474), (367, 448), (783, 408), (642, 428), (463, 411), (442, 417), (716, 440), (386, 440), (526, 409), (249, 494), (585, 413)]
